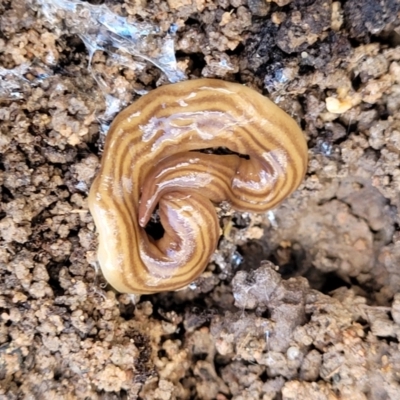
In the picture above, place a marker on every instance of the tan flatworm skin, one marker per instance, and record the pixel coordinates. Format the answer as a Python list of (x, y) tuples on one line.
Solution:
[(150, 158)]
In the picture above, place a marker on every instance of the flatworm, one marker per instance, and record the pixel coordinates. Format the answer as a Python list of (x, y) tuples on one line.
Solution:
[(154, 155)]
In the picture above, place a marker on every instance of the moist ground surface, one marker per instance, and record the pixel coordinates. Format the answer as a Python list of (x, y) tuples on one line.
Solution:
[(300, 303)]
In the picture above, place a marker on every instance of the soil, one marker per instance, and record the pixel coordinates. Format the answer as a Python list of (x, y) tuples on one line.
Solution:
[(302, 302)]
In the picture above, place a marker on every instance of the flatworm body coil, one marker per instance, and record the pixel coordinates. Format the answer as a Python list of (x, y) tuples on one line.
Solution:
[(152, 157)]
